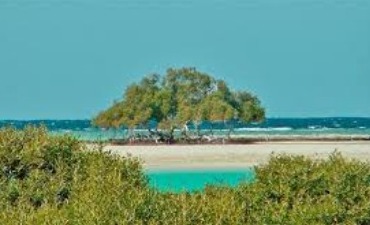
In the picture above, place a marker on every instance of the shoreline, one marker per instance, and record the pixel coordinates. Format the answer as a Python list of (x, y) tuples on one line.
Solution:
[(245, 139), (234, 156)]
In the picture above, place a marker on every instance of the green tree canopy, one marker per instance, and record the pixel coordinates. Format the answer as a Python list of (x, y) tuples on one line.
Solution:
[(180, 96)]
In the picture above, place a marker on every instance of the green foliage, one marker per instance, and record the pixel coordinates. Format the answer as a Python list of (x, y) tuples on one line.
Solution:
[(179, 97), (57, 180), (298, 190)]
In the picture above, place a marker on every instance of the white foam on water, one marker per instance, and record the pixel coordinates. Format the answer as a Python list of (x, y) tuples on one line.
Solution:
[(260, 129), (320, 128)]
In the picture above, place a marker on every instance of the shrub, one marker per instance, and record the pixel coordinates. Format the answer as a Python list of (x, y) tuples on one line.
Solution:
[(298, 190), (55, 179), (58, 180)]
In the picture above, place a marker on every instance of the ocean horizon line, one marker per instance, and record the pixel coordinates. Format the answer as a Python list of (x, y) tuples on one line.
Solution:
[(267, 118)]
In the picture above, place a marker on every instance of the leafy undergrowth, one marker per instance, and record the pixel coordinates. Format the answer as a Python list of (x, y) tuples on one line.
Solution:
[(54, 180)]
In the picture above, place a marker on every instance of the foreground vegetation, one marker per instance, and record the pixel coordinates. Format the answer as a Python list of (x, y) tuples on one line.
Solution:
[(56, 180)]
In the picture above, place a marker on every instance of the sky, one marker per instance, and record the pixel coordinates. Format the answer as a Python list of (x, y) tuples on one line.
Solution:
[(69, 59)]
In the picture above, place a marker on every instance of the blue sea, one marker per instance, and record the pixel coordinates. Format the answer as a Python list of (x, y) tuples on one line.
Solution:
[(177, 181), (272, 127)]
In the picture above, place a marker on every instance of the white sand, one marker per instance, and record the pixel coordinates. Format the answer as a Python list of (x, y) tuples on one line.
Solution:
[(172, 157)]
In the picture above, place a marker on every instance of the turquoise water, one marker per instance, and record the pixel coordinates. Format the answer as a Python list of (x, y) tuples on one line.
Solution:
[(195, 180)]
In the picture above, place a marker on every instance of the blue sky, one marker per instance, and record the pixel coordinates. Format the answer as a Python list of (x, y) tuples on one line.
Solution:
[(68, 59)]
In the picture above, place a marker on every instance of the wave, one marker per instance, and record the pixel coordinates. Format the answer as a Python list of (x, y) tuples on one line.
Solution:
[(261, 129), (317, 127)]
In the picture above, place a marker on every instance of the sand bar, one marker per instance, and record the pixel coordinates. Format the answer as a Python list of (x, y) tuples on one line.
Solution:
[(178, 157)]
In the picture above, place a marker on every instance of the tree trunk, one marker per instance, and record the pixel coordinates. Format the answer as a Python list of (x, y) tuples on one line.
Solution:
[(197, 127), (171, 138), (230, 127), (131, 135)]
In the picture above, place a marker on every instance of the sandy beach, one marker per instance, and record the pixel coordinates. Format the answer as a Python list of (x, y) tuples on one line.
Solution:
[(178, 157)]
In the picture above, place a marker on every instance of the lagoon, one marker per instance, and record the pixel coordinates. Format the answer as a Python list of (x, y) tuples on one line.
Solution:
[(196, 180)]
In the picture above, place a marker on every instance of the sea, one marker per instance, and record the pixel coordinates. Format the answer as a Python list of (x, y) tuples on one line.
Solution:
[(346, 128), (294, 128)]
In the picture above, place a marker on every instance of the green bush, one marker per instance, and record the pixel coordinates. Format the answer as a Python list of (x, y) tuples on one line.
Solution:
[(58, 180), (298, 190)]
